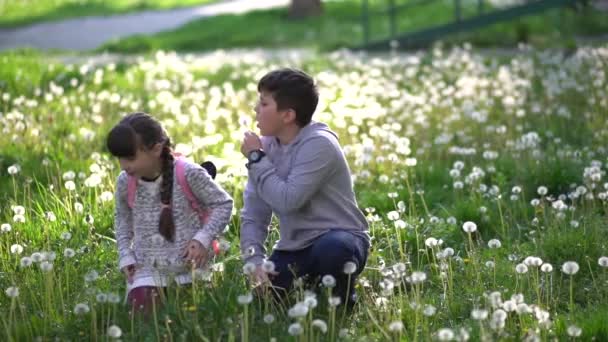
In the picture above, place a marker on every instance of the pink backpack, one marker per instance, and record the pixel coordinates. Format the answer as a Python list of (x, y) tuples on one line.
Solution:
[(180, 173)]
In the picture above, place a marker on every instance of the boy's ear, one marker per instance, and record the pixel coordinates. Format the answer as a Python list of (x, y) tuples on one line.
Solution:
[(289, 116)]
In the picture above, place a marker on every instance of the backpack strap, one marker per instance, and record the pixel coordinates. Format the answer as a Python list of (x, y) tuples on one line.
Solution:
[(180, 174), (131, 190)]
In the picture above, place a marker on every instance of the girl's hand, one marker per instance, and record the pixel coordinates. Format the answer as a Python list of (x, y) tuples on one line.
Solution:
[(129, 272), (196, 253)]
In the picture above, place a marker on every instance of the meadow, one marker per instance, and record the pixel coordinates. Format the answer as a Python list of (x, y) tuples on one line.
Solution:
[(483, 179)]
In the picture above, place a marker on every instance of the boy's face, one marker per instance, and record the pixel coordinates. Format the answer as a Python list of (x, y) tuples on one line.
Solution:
[(271, 121), (145, 163)]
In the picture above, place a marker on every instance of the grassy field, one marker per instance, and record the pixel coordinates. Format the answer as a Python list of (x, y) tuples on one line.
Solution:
[(23, 12), (483, 179), (340, 26)]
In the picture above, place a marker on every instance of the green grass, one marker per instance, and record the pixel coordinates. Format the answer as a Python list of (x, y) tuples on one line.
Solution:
[(340, 26), (24, 12), (544, 115)]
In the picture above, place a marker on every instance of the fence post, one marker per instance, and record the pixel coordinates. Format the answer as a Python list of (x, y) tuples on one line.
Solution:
[(365, 21), (479, 7), (392, 18), (457, 13)]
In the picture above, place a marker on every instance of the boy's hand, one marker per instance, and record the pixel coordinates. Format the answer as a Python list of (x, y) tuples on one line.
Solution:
[(261, 280), (196, 253), (129, 272), (251, 142)]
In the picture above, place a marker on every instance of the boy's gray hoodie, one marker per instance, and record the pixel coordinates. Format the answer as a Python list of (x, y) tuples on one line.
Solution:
[(307, 185)]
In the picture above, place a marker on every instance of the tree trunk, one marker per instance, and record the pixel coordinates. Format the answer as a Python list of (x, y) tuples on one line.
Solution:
[(305, 8)]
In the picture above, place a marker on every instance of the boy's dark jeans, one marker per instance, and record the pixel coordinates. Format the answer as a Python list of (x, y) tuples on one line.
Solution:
[(327, 255)]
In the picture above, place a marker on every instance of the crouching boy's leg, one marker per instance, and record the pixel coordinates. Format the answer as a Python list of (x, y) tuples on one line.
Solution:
[(343, 255)]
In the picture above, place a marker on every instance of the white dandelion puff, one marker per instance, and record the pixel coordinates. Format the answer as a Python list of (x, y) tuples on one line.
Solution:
[(245, 299), (16, 249), (334, 301), (320, 324), (69, 253), (521, 268), (249, 268), (12, 291), (298, 310), (570, 267), (114, 331), (546, 268), (574, 331), (295, 329), (25, 262), (479, 314), (469, 227), (268, 266), (5, 228), (91, 276), (46, 266), (445, 334), (328, 280), (268, 318), (396, 326), (494, 243), (350, 267), (81, 308)]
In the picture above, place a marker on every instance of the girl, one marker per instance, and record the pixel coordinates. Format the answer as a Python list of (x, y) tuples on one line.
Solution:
[(159, 236)]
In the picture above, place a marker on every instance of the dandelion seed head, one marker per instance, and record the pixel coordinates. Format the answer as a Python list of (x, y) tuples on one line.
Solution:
[(12, 292), (101, 298), (418, 277), (328, 280), (114, 331), (479, 314), (521, 268), (249, 268), (46, 266), (334, 301), (268, 266), (546, 268), (396, 326), (320, 324), (70, 185), (542, 190), (393, 215), (25, 262), (603, 261), (494, 243), (245, 299), (300, 309), (469, 227), (445, 334), (295, 329), (113, 298), (350, 267), (570, 267), (16, 249), (268, 318), (574, 331), (5, 228), (429, 310), (81, 308), (91, 276)]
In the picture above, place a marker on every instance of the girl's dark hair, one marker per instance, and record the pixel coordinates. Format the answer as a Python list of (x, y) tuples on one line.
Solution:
[(140, 131)]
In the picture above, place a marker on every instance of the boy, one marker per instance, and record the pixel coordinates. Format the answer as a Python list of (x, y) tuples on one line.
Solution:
[(297, 171)]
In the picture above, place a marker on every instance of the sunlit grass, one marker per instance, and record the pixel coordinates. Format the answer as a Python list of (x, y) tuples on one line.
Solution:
[(484, 182)]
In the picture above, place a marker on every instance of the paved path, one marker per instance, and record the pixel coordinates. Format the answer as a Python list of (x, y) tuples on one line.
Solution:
[(91, 32)]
